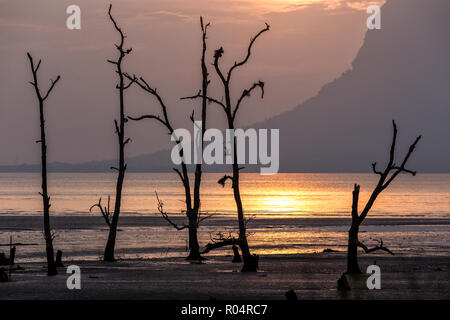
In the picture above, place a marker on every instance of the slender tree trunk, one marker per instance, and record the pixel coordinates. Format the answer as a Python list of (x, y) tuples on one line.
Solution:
[(385, 179), (352, 251), (110, 245), (120, 131), (352, 248), (194, 251), (51, 266), (194, 248), (250, 264)]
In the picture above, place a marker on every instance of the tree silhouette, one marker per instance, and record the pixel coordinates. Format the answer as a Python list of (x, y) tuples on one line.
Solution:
[(51, 265), (113, 221), (231, 109), (192, 205), (386, 177)]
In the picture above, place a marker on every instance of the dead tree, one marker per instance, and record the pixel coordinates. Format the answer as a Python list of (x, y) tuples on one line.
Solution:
[(192, 205), (391, 171), (51, 266), (231, 109), (113, 221)]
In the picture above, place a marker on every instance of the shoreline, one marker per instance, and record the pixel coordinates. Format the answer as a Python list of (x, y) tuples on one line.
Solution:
[(34, 222), (146, 237)]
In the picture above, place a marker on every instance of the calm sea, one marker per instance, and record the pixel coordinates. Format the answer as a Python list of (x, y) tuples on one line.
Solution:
[(281, 195), (293, 214)]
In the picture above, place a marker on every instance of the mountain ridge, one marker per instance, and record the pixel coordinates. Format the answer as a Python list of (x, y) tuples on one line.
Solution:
[(401, 72)]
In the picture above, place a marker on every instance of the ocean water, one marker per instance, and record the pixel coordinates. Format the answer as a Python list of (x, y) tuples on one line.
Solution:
[(281, 195), (292, 214)]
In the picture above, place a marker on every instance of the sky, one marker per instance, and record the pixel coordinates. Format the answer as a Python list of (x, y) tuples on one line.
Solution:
[(310, 43)]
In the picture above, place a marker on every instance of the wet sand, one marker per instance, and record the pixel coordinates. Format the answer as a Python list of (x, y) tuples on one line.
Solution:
[(153, 267), (311, 276)]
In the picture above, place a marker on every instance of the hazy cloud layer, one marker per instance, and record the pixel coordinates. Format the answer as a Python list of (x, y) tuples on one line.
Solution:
[(310, 43)]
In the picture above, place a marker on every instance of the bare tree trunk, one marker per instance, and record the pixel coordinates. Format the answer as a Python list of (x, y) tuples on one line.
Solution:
[(357, 219), (194, 251), (352, 248), (192, 205), (249, 265), (250, 261), (120, 131), (110, 245), (236, 255), (352, 251), (194, 248), (51, 266)]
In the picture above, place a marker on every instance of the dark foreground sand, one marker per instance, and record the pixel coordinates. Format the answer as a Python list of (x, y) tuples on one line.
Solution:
[(312, 276)]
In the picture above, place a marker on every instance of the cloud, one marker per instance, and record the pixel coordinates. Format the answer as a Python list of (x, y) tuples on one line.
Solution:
[(164, 15)]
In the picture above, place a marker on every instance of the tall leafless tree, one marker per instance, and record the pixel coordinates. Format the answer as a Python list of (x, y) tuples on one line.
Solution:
[(192, 207), (231, 109), (51, 265), (120, 131), (388, 175)]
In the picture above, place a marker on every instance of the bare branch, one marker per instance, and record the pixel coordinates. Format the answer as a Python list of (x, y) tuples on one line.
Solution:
[(38, 65), (249, 50), (116, 125), (218, 241), (204, 27), (246, 93), (209, 99), (166, 217), (374, 169), (402, 166), (122, 36), (130, 83), (382, 183), (217, 55), (404, 170), (146, 87), (179, 174), (379, 247), (215, 245), (104, 210), (201, 219), (34, 83), (51, 87), (158, 118), (394, 139), (224, 179)]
